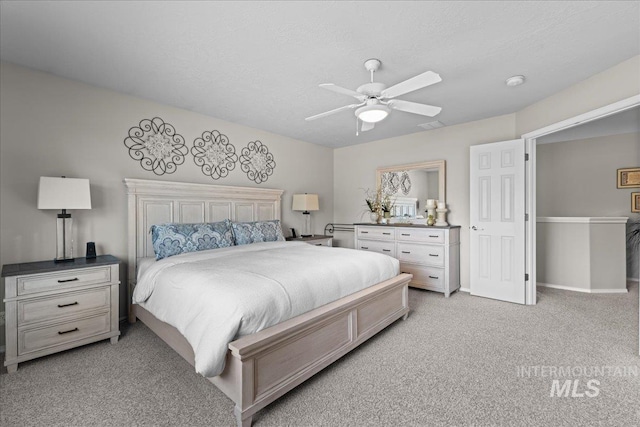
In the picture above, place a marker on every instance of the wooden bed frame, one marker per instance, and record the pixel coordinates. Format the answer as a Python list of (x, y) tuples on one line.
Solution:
[(263, 366)]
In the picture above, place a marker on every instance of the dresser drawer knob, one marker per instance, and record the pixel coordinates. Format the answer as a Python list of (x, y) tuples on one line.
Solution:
[(386, 250), (68, 332), (364, 247), (406, 252), (435, 237), (387, 234), (364, 232), (434, 255), (403, 234), (75, 279), (67, 305), (433, 277)]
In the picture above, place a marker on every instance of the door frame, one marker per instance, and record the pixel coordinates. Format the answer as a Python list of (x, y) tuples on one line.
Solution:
[(530, 178)]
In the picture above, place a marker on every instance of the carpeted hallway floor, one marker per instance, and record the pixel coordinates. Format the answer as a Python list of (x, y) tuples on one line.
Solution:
[(455, 361)]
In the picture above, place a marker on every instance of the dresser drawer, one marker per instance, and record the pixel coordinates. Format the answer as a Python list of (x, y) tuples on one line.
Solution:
[(421, 254), (35, 339), (64, 280), (387, 248), (430, 276), (376, 233), (58, 306), (419, 235)]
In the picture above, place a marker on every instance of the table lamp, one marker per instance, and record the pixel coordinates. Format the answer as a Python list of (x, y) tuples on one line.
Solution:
[(64, 193), (305, 203)]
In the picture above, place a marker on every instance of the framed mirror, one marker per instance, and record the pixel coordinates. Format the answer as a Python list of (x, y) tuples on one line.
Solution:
[(411, 185)]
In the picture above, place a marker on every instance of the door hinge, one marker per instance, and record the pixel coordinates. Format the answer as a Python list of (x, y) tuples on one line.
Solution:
[(526, 157), (526, 217), (526, 277)]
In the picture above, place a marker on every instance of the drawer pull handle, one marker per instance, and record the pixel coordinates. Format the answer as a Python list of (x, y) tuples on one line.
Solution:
[(403, 234), (435, 237), (364, 232), (364, 247), (434, 255), (386, 250), (67, 305), (75, 279), (318, 244), (387, 234), (433, 277), (406, 252), (68, 332)]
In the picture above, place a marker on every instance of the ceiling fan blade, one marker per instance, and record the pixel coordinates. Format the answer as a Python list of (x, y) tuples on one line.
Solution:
[(367, 126), (343, 91), (414, 107), (414, 83), (337, 110)]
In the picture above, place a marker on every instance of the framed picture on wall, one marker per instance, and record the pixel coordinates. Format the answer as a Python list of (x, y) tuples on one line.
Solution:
[(635, 202), (629, 178)]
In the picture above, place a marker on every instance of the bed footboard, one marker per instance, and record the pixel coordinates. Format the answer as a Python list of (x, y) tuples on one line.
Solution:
[(279, 358)]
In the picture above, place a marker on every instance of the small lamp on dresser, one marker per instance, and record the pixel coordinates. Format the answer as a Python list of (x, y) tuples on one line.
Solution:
[(305, 203), (64, 193)]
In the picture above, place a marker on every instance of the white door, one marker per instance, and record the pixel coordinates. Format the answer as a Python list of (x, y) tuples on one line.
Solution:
[(497, 235)]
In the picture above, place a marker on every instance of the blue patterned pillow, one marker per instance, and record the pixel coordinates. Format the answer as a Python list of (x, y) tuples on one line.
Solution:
[(173, 239), (258, 231)]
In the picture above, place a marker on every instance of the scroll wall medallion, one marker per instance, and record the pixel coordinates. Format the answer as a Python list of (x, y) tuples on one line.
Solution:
[(214, 154), (405, 183), (156, 145), (257, 162)]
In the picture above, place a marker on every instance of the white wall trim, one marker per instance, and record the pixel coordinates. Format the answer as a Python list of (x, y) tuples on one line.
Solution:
[(589, 116), (467, 290), (631, 279), (584, 220), (586, 291)]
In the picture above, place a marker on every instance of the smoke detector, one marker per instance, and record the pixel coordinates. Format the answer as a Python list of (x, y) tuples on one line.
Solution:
[(515, 81)]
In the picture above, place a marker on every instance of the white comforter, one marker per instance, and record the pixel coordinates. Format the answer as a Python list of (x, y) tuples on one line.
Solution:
[(213, 297)]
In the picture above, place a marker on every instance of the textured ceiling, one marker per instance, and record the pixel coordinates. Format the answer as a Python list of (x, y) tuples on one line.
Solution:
[(260, 63)]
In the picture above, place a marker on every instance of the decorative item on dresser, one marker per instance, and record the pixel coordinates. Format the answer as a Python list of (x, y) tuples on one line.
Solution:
[(313, 240), (53, 307), (431, 254)]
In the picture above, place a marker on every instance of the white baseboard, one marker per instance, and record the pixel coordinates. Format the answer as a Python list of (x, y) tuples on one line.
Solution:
[(467, 290), (587, 291), (631, 279)]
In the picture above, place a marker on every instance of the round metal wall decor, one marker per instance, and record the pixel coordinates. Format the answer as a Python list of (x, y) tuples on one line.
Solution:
[(156, 145), (257, 162), (405, 183), (214, 154)]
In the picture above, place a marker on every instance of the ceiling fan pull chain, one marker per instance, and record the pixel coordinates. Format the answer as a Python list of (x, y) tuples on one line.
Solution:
[(357, 128)]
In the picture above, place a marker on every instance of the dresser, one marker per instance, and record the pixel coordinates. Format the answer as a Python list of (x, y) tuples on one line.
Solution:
[(431, 254), (313, 240), (51, 307)]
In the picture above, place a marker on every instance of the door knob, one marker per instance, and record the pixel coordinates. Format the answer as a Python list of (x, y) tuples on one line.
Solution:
[(474, 228)]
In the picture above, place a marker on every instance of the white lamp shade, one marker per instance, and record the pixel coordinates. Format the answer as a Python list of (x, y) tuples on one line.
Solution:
[(305, 202), (63, 193)]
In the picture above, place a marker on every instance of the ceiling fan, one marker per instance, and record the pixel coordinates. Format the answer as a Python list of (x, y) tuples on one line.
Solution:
[(376, 99)]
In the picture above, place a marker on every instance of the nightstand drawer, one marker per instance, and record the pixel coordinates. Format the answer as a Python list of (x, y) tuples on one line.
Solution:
[(68, 279), (55, 307), (377, 233), (35, 339), (321, 242), (421, 254), (420, 235), (387, 248)]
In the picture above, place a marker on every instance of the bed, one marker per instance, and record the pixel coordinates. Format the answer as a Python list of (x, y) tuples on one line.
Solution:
[(263, 366)]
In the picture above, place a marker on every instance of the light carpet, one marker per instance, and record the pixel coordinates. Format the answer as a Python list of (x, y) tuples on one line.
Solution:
[(454, 362)]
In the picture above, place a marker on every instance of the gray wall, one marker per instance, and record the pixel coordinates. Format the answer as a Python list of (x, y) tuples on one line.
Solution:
[(51, 127), (578, 178)]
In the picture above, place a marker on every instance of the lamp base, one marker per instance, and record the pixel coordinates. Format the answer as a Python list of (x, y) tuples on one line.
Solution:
[(64, 237)]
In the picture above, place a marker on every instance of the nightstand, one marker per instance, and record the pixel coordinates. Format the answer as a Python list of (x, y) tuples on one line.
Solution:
[(313, 240), (51, 307)]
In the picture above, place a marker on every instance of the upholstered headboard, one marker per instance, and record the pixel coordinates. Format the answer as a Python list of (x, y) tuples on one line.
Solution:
[(155, 202)]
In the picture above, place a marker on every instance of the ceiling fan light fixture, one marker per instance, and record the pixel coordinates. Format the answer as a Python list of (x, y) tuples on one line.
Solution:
[(373, 113)]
